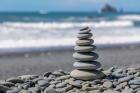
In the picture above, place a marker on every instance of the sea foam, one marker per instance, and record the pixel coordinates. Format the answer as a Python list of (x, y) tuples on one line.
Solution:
[(67, 25)]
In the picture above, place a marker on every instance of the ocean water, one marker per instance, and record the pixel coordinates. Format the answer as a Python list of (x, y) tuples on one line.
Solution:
[(30, 30)]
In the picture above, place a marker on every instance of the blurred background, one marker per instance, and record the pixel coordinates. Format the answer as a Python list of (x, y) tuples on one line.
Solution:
[(45, 31), (54, 23)]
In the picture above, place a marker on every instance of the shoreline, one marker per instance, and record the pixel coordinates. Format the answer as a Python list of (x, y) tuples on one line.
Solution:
[(45, 61), (34, 50)]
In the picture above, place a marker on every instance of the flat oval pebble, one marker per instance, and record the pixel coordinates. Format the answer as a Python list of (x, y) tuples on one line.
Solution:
[(87, 87), (61, 85), (84, 31), (84, 28), (24, 91), (8, 84), (63, 77), (111, 91), (84, 42), (135, 86), (84, 48), (4, 88), (124, 79), (134, 82), (76, 83), (49, 90), (28, 77), (91, 65), (15, 90), (86, 75), (128, 91), (89, 56), (108, 84), (84, 36), (43, 83), (15, 80), (34, 90)]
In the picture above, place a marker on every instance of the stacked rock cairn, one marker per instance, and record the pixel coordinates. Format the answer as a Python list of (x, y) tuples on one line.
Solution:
[(86, 66)]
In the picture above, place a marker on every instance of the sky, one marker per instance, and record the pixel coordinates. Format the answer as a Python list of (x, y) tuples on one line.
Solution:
[(67, 5)]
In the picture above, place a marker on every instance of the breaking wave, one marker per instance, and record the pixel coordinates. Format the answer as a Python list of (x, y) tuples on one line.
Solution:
[(66, 25), (130, 17)]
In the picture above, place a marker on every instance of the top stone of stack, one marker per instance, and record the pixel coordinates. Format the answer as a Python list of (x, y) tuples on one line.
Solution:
[(84, 30)]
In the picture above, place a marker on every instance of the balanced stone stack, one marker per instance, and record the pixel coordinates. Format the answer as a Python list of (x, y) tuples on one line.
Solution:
[(86, 65)]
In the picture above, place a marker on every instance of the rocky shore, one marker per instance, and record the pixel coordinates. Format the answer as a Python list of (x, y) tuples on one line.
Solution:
[(117, 80)]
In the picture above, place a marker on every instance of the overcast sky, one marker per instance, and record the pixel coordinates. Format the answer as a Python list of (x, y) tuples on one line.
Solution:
[(66, 5)]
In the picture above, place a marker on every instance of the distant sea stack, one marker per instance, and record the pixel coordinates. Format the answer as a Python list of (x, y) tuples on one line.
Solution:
[(108, 9), (85, 65)]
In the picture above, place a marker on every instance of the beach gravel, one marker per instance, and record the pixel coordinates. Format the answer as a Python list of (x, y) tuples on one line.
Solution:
[(61, 82)]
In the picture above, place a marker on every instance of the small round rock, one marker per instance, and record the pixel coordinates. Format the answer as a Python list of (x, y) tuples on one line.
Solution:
[(107, 84)]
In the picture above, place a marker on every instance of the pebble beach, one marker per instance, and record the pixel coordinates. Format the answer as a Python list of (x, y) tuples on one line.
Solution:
[(120, 71), (116, 81)]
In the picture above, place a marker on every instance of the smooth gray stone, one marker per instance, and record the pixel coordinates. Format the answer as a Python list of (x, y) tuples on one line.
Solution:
[(84, 36), (117, 71), (28, 77), (84, 42), (124, 79), (128, 91), (134, 82), (84, 31), (119, 75), (61, 85), (91, 65), (138, 91), (24, 91), (111, 91), (108, 84), (8, 84), (16, 90), (77, 83), (49, 90), (64, 89), (63, 77), (61, 90), (84, 28), (137, 74), (57, 73), (135, 86), (89, 56), (4, 88), (95, 91), (84, 48), (43, 83), (86, 75), (15, 80), (55, 82), (34, 90)]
